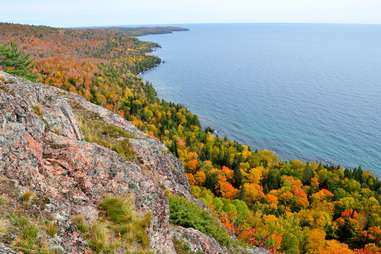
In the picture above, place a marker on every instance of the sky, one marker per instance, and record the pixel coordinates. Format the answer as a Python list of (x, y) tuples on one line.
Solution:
[(74, 13)]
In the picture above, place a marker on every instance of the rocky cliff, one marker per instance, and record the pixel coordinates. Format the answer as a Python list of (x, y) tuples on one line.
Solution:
[(61, 155)]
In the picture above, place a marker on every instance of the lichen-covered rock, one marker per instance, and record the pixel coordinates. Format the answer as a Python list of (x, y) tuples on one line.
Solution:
[(197, 241), (44, 151), (6, 250)]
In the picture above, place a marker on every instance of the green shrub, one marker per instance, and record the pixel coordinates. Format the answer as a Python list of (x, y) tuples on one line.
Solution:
[(190, 215), (15, 62)]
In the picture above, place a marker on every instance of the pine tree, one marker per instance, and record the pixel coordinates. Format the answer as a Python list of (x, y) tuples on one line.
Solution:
[(15, 62)]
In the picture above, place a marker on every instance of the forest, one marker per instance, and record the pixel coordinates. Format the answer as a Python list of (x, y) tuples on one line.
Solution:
[(145, 30), (285, 206)]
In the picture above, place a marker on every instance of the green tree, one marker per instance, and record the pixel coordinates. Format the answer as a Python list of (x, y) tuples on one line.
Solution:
[(290, 244), (15, 62)]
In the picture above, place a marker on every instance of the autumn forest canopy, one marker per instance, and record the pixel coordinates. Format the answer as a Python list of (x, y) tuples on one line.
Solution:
[(285, 206)]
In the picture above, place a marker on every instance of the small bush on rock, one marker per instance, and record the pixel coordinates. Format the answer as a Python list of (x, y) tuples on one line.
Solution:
[(118, 228), (27, 196), (80, 222), (189, 215), (102, 239), (29, 237), (182, 247), (51, 228)]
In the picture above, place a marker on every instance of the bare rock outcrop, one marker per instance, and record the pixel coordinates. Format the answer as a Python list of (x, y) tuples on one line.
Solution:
[(198, 241), (42, 150), (6, 250)]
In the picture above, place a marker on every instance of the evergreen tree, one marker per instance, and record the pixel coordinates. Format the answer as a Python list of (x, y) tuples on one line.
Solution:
[(15, 62)]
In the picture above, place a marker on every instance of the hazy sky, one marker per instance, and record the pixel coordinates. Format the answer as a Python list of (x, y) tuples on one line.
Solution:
[(133, 12)]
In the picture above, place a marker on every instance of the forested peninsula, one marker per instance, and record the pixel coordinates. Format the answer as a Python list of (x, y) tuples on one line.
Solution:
[(285, 206)]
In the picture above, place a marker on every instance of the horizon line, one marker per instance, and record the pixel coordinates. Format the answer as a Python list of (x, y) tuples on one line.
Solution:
[(198, 23)]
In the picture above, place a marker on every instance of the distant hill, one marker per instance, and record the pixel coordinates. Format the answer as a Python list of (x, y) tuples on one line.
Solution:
[(140, 31)]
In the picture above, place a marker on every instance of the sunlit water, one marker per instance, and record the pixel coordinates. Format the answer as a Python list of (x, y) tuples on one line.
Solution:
[(308, 92)]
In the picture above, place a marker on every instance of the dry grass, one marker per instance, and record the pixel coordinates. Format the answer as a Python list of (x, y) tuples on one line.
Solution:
[(119, 227), (4, 226), (102, 239), (27, 233), (27, 197), (21, 228), (51, 228), (80, 222), (182, 247), (38, 109), (96, 130)]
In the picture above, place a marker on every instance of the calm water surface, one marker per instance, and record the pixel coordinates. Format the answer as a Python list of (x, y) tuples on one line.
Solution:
[(309, 92)]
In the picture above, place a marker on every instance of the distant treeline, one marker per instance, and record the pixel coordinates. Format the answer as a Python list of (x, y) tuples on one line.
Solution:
[(140, 31)]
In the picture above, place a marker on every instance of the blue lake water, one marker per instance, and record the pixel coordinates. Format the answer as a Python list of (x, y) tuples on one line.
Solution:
[(306, 91)]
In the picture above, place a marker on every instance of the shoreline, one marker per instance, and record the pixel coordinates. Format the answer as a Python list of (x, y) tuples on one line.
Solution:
[(232, 192), (217, 132)]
